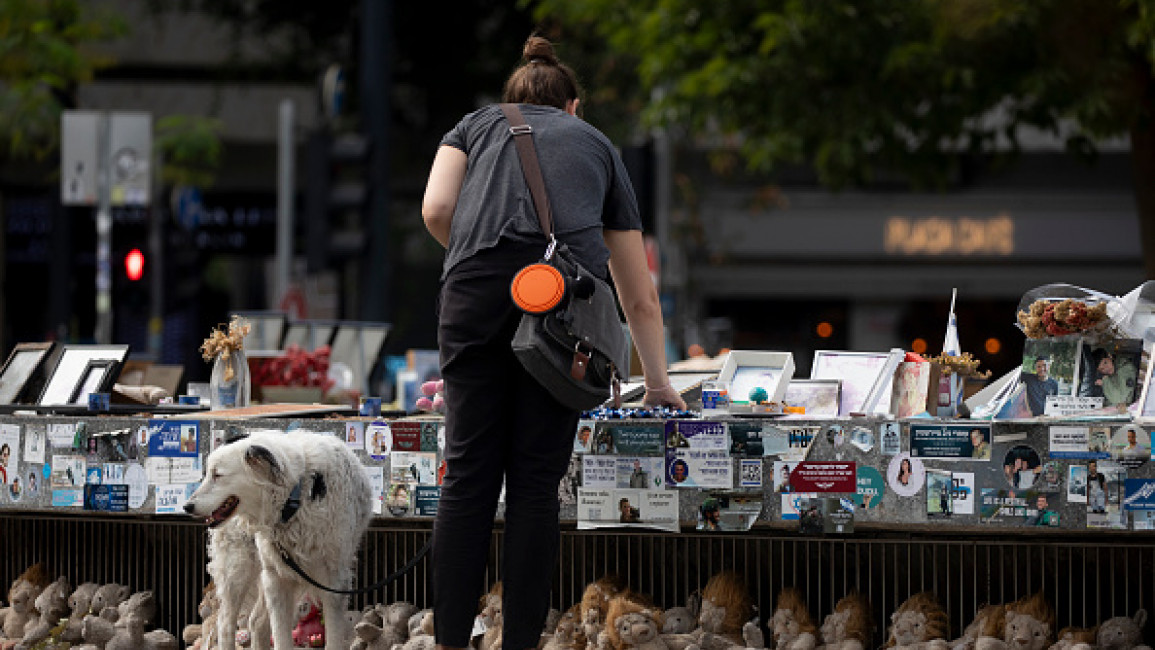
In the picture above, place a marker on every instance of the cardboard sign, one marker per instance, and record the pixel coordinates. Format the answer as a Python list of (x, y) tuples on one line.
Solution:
[(820, 476)]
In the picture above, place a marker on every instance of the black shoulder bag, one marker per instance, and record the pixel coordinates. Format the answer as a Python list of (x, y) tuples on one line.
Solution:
[(576, 349)]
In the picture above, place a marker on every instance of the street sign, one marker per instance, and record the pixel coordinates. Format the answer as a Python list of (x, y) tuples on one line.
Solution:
[(130, 157), (78, 157)]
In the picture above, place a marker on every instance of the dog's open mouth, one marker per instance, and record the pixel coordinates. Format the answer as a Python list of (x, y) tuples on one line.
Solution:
[(222, 513)]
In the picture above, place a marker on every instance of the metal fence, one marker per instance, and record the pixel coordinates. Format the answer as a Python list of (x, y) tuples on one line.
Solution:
[(1089, 579)]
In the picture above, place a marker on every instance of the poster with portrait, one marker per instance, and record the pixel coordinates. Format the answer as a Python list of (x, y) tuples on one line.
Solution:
[(416, 467), (1076, 442), (34, 444), (870, 486), (905, 475), (9, 452), (782, 472), (627, 508), (939, 494), (1130, 446), (950, 442), (1025, 508), (584, 437), (378, 440), (355, 435), (1111, 372), (1050, 368), (729, 512), (890, 435), (699, 468), (637, 439), (1022, 466), (1105, 484), (793, 503), (1050, 477)]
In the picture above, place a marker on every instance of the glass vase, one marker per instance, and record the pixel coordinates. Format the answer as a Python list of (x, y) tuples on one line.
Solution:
[(230, 384)]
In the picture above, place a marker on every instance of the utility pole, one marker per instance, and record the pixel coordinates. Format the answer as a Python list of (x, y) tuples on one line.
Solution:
[(375, 82)]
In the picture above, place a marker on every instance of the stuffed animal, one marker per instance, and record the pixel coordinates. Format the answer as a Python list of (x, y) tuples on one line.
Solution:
[(97, 630), (491, 619), (203, 634), (919, 624), (1076, 638), (52, 604), (1029, 624), (130, 635), (594, 605), (990, 621), (678, 620), (630, 624), (420, 632), (100, 630), (383, 627), (310, 629), (80, 604), (563, 637), (726, 607), (850, 626), (791, 625), (22, 598), (1122, 633), (108, 595)]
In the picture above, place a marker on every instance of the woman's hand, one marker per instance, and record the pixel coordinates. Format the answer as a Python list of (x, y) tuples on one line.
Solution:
[(664, 396)]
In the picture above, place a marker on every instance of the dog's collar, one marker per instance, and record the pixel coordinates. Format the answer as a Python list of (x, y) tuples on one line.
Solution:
[(293, 504)]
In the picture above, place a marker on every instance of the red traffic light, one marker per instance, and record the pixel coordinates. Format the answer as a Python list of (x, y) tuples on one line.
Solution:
[(134, 264)]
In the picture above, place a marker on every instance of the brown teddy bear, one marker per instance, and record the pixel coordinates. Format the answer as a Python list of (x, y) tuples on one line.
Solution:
[(630, 624), (22, 595), (990, 620), (850, 626), (791, 625), (1028, 624), (919, 624)]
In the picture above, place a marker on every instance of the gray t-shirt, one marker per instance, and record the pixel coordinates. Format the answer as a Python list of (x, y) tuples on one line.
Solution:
[(585, 179)]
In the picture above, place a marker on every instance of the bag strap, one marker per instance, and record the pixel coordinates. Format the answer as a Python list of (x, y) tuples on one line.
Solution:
[(527, 153)]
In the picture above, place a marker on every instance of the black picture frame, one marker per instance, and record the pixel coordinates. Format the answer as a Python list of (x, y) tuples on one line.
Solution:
[(23, 364), (97, 377), (72, 365)]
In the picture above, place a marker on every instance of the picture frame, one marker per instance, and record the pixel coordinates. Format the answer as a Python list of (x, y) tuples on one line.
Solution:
[(1147, 396), (820, 397), (745, 370), (97, 377), (25, 360), (71, 367), (858, 371)]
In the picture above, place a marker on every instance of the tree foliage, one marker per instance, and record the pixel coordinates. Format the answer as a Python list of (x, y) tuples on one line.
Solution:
[(42, 59), (855, 87)]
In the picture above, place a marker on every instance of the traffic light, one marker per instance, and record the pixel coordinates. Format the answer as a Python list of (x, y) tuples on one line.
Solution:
[(130, 281), (134, 265), (336, 197)]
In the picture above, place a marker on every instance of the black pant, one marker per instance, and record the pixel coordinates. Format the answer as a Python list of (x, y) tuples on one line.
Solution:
[(500, 423)]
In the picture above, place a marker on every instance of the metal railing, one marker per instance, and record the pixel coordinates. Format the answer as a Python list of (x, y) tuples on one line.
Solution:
[(1089, 579)]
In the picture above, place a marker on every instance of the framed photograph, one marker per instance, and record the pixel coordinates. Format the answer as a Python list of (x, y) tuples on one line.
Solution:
[(1050, 367), (746, 370), (818, 396), (858, 372), (1111, 372), (1147, 400), (72, 367), (98, 377), (24, 361)]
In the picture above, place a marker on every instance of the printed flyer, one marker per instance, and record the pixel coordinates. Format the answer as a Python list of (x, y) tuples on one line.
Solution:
[(1028, 508), (823, 476), (657, 509), (702, 468), (413, 467), (637, 439), (752, 439), (406, 435), (173, 438), (729, 511), (697, 434), (950, 442), (426, 500)]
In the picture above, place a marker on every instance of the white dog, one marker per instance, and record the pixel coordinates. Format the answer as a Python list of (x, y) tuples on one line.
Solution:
[(302, 493)]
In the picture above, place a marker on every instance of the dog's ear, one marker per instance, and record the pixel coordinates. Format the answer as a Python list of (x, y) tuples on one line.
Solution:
[(264, 463)]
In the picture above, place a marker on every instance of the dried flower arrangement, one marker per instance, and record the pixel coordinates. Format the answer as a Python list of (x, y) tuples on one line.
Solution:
[(964, 365), (1059, 318), (223, 344)]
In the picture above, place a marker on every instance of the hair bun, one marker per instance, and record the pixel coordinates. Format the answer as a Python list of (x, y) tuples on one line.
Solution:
[(540, 50)]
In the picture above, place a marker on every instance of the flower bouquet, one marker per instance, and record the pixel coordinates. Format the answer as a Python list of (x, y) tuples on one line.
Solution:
[(297, 376)]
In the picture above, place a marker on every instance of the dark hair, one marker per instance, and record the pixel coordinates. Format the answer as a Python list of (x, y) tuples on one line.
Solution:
[(541, 78)]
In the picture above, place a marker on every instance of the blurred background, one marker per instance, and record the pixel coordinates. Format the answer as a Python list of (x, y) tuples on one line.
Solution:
[(812, 175)]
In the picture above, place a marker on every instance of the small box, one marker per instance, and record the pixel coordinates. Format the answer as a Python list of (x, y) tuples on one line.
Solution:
[(749, 370), (370, 406), (99, 402)]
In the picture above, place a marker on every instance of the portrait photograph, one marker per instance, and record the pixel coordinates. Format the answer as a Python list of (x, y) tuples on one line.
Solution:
[(905, 475), (1130, 446), (1112, 372), (1049, 368), (1022, 466)]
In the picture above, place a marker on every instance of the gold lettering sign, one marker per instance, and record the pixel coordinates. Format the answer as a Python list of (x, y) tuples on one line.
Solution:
[(962, 236)]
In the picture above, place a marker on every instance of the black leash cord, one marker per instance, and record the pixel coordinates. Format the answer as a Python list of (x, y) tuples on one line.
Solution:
[(292, 564)]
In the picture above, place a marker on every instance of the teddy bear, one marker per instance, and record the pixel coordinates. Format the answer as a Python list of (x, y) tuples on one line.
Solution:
[(723, 617), (1122, 633), (1029, 624), (1075, 638), (791, 625), (990, 621), (491, 619), (109, 595), (203, 634), (594, 605), (100, 629), (564, 633), (383, 626), (850, 626), (632, 625), (79, 604), (420, 632), (678, 620), (310, 629), (97, 629), (130, 635), (919, 623), (52, 605), (21, 604)]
